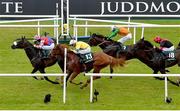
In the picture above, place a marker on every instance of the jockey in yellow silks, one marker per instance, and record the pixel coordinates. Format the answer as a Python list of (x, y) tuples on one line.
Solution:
[(80, 46)]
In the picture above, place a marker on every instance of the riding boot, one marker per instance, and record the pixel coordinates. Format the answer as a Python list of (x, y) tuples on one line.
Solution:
[(85, 68)]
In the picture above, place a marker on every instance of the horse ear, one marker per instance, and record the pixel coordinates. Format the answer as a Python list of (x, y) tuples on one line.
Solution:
[(142, 38), (179, 44), (90, 33)]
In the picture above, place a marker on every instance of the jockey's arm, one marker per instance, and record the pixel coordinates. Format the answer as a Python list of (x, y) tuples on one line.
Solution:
[(42, 43), (113, 34)]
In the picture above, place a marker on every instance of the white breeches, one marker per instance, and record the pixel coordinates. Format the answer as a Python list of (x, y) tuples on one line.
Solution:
[(84, 51), (125, 38), (168, 49), (46, 47)]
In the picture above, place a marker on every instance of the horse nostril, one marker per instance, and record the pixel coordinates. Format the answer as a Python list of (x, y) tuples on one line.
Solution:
[(13, 46)]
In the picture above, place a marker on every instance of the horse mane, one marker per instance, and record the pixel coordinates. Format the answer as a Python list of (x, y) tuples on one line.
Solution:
[(147, 43), (64, 46), (67, 47), (102, 36), (178, 47)]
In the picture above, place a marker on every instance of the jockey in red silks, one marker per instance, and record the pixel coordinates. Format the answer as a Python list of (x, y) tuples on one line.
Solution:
[(45, 43), (165, 45)]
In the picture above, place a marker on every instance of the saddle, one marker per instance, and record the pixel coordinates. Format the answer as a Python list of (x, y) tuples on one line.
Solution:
[(169, 55), (85, 58), (118, 48), (166, 56), (45, 53)]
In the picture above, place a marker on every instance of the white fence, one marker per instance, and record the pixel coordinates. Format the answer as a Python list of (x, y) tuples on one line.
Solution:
[(130, 26), (132, 75)]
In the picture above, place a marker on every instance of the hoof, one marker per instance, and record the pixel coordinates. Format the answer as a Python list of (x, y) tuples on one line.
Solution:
[(35, 78), (159, 78), (85, 85), (80, 83), (168, 100), (41, 78), (178, 83)]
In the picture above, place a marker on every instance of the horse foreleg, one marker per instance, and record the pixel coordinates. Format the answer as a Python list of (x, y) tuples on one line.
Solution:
[(34, 71), (111, 71), (156, 72), (71, 78), (46, 78), (163, 71), (96, 70)]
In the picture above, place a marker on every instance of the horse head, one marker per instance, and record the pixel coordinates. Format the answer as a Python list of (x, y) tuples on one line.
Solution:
[(59, 49), (21, 43), (100, 40), (143, 44)]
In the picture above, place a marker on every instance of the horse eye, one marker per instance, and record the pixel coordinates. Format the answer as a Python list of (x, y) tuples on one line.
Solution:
[(15, 43)]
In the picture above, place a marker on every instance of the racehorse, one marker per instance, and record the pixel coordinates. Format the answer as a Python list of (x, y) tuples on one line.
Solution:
[(74, 67), (34, 56), (145, 52), (111, 47), (150, 51)]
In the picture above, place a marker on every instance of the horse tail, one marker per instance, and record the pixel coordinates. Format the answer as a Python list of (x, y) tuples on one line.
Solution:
[(117, 62)]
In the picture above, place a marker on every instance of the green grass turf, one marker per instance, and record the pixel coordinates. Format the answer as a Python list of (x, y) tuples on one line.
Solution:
[(125, 93)]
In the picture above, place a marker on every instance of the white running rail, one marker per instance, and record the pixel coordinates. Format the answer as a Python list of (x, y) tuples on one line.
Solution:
[(131, 75)]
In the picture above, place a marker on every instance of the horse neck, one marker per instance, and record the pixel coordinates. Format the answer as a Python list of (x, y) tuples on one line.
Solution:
[(143, 57), (105, 43), (31, 52)]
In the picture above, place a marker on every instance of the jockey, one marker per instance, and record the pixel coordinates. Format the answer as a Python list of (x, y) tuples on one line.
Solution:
[(122, 31), (165, 45), (80, 47), (45, 43)]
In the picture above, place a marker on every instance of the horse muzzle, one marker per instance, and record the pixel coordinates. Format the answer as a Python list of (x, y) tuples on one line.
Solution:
[(13, 47)]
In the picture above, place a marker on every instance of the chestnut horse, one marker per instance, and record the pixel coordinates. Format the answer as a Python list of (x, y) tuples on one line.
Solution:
[(74, 67)]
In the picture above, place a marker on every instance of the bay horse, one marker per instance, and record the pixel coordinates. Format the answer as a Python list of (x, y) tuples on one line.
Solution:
[(74, 67), (111, 47), (34, 56)]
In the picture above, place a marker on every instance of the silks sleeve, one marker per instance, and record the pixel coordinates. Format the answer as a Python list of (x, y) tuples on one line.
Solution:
[(113, 34)]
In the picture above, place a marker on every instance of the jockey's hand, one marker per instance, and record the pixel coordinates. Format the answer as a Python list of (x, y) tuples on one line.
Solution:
[(108, 38), (38, 46), (74, 51), (158, 50)]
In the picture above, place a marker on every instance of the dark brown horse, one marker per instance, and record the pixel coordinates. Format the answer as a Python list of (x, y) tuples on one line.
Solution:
[(146, 53), (34, 56), (74, 67), (111, 47), (114, 49)]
